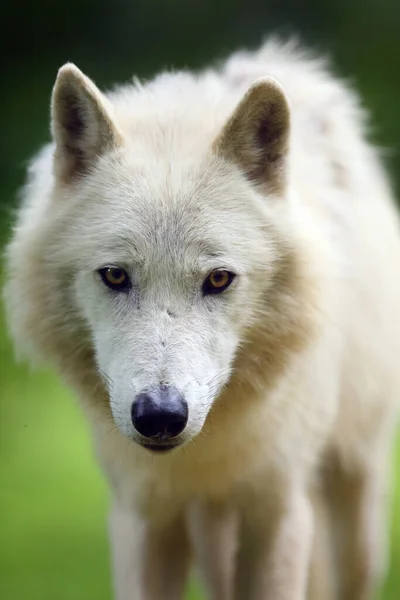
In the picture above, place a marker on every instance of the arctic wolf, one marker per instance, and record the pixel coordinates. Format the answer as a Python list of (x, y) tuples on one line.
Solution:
[(212, 261)]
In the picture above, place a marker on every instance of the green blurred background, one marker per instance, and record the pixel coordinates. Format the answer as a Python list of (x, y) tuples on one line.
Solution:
[(53, 500)]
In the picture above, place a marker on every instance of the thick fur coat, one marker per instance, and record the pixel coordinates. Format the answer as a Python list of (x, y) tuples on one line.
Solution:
[(260, 169)]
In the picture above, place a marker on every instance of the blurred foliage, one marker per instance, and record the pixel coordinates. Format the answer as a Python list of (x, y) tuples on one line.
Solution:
[(53, 500)]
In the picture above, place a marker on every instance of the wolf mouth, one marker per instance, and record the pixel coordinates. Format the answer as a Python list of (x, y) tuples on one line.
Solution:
[(159, 448)]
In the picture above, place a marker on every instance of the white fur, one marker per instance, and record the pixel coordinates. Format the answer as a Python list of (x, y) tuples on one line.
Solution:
[(291, 375)]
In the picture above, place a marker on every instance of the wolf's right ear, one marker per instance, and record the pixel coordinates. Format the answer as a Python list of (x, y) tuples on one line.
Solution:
[(82, 124), (256, 137)]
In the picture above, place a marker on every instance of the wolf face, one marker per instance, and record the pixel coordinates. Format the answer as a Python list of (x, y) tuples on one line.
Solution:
[(168, 255), (164, 292)]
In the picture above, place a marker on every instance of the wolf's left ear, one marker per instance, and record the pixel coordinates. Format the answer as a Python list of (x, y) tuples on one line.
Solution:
[(82, 123), (256, 137)]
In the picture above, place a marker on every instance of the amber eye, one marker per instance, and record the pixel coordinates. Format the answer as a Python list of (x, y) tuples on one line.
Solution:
[(115, 278), (217, 281)]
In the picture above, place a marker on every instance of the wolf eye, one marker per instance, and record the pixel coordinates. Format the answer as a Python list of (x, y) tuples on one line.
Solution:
[(217, 281), (115, 278)]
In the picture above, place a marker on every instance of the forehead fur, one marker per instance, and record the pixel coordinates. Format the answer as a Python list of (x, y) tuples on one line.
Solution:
[(155, 209)]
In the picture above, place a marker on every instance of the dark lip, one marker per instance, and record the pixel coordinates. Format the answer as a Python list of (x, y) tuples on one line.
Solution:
[(159, 448)]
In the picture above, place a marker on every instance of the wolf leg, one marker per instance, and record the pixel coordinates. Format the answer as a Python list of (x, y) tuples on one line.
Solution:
[(359, 506), (322, 580), (213, 531), (274, 548), (149, 563)]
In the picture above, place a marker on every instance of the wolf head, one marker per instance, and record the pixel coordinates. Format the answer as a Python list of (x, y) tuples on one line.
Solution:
[(157, 251)]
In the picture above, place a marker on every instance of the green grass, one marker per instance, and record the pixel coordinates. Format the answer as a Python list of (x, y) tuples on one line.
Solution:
[(53, 500)]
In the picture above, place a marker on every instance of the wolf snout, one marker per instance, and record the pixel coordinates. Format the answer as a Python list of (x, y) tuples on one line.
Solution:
[(160, 414)]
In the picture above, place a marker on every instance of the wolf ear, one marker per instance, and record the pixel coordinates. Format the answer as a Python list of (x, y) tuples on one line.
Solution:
[(82, 123), (256, 137)]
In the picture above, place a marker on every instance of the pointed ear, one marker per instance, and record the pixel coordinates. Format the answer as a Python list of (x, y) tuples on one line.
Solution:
[(256, 137), (82, 123)]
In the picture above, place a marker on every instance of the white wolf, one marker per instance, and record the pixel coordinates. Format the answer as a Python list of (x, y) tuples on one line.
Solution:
[(212, 261)]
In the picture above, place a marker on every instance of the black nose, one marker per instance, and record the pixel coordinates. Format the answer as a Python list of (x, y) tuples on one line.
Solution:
[(161, 413)]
